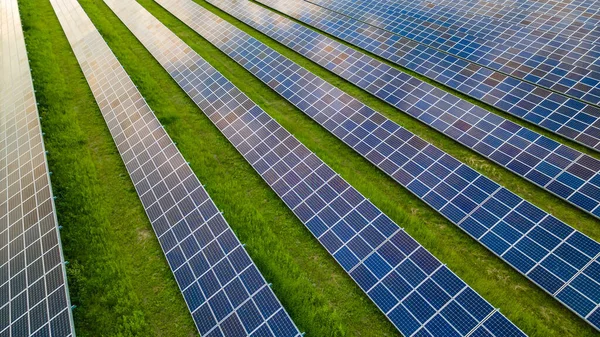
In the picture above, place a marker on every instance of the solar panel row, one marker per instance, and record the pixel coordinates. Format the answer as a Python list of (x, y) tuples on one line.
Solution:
[(547, 73), (567, 117), (485, 26), (222, 287), (503, 222), (558, 76), (559, 169), (34, 298), (575, 19), (418, 294)]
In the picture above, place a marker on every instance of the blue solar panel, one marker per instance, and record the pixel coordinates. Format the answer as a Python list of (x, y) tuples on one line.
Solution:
[(565, 116), (549, 73), (297, 176), (484, 22), (505, 220), (34, 296), (576, 20), (224, 291), (527, 153)]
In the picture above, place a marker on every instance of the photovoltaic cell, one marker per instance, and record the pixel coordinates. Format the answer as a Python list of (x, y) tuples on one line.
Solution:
[(483, 22), (223, 289), (564, 116), (518, 149), (499, 219), (394, 270), (34, 299), (558, 76)]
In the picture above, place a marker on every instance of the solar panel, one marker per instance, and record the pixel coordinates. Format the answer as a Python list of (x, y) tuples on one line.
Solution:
[(34, 297), (415, 291), (503, 222), (518, 149), (558, 76), (564, 116), (482, 22), (223, 289), (577, 20)]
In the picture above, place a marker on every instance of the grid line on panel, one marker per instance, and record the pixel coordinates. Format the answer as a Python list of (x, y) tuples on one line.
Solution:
[(224, 291), (503, 222), (518, 149), (564, 116), (350, 227), (554, 75), (33, 287), (577, 274)]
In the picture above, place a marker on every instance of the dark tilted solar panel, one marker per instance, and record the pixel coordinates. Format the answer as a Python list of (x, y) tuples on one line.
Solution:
[(222, 287), (577, 20), (417, 293), (559, 169), (34, 297), (503, 222), (567, 117), (573, 81), (485, 25), (558, 76)]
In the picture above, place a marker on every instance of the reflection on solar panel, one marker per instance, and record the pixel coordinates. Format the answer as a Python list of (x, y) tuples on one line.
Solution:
[(34, 297), (577, 20), (531, 155), (555, 75), (503, 222), (483, 23), (418, 294), (567, 117), (222, 287)]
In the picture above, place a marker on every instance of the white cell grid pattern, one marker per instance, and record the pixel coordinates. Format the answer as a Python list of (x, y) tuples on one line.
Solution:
[(569, 80), (546, 44), (500, 140), (552, 111), (577, 20), (336, 110)]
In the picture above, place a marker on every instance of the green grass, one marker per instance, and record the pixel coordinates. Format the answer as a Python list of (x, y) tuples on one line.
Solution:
[(118, 275)]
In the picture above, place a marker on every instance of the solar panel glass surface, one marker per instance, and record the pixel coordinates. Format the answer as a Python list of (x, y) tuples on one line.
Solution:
[(417, 293), (577, 20), (558, 76), (564, 116), (557, 168), (34, 298), (488, 212), (483, 23)]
